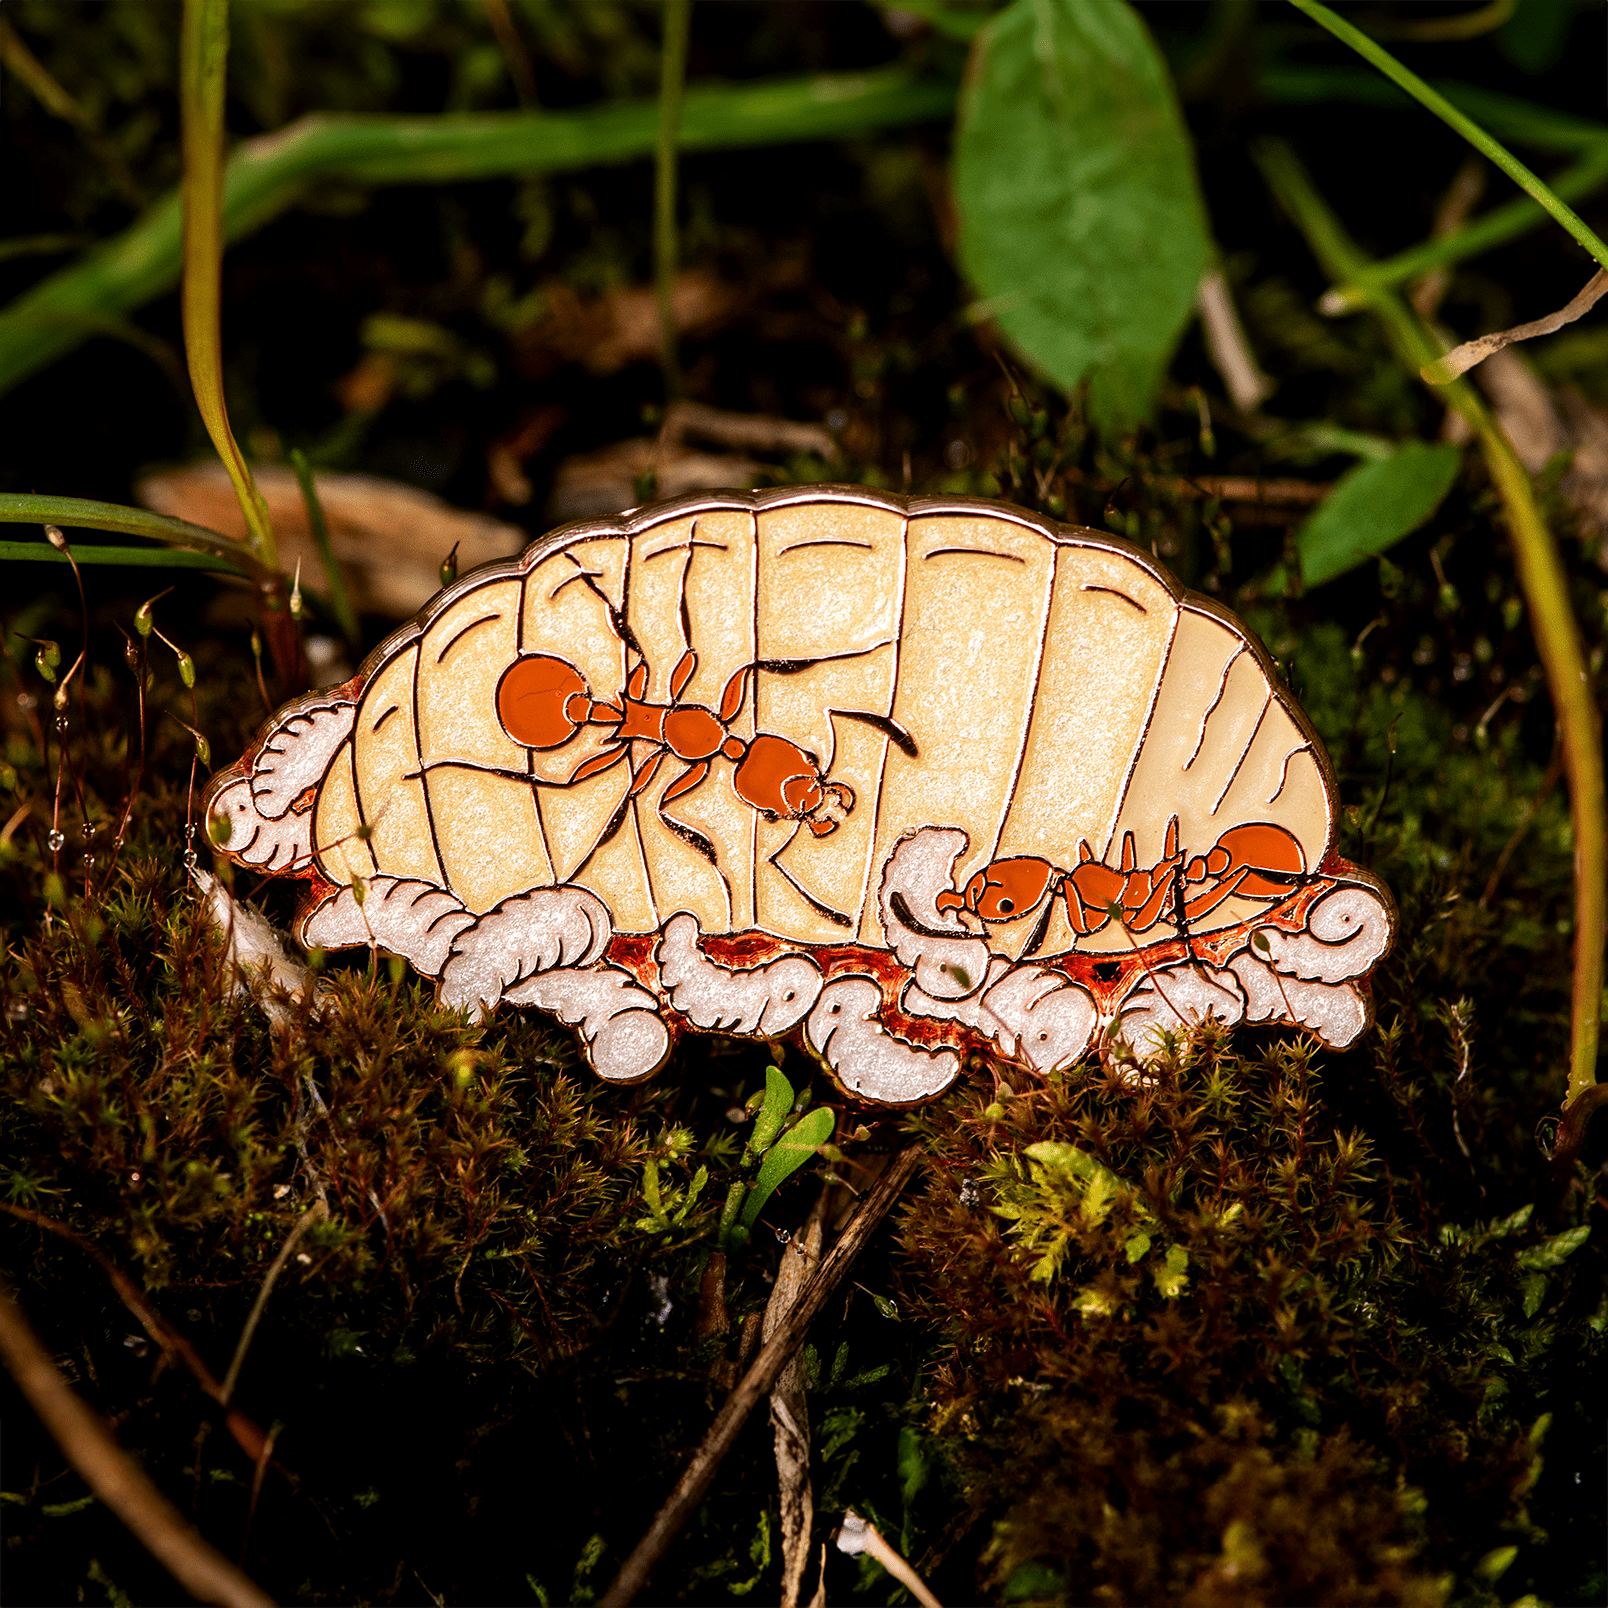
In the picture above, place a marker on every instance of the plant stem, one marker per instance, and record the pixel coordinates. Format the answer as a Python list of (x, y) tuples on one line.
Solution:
[(1482, 142), (672, 88), (268, 174), (80, 513), (339, 599), (1541, 577), (203, 55), (1495, 228)]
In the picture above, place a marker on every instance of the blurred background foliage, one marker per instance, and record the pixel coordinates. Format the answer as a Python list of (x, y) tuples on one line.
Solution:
[(1355, 1361)]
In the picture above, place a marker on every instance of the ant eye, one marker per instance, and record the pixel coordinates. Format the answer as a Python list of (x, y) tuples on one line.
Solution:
[(1006, 907)]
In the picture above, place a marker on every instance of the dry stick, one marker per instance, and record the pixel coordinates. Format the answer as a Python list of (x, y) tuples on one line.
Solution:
[(247, 1434), (1462, 358), (114, 1476), (756, 1384)]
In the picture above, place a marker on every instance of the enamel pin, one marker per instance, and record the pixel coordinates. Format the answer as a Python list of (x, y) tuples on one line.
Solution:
[(906, 775)]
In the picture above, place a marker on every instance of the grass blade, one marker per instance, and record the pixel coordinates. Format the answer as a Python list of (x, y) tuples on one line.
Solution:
[(1541, 578), (1476, 136), (203, 55), (79, 513), (264, 176), (340, 600)]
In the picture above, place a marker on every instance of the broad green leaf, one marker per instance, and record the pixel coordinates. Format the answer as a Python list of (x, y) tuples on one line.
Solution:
[(786, 1156), (1081, 224), (1372, 507)]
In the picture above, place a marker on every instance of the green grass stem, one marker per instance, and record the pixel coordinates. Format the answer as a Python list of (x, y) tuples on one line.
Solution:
[(340, 600), (264, 176), (1541, 578), (79, 513), (203, 59), (1495, 228), (125, 557), (1373, 52)]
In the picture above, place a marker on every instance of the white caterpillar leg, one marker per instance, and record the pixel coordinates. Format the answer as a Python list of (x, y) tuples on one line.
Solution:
[(1171, 1000), (1027, 1010), (528, 933), (946, 960), (845, 1031), (1346, 932), (625, 1039), (1334, 1011), (759, 999), (403, 915)]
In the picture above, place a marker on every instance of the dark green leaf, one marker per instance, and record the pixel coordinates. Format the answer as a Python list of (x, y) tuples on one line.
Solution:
[(1372, 507), (1080, 221)]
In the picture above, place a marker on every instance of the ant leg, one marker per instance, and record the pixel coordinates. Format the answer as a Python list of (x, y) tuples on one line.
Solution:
[(637, 686), (685, 782), (1081, 918), (604, 759), (682, 674), (731, 700), (690, 835), (645, 773), (1149, 913), (1204, 903)]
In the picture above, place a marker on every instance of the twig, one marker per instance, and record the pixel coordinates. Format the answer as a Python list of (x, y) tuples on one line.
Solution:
[(247, 1434), (238, 1361), (756, 1384), (1228, 345), (1462, 358), (113, 1475), (860, 1535)]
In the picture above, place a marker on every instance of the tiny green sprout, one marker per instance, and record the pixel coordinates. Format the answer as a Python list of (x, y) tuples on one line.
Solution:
[(47, 659), (1260, 942), (1038, 422), (994, 1112), (203, 750), (1450, 600), (54, 536), (359, 891), (131, 654), (1055, 507), (8, 776), (1020, 412), (186, 668), (218, 830), (363, 833), (449, 566)]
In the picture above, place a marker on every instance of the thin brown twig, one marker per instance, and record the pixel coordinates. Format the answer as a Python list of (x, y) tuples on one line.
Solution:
[(247, 1434), (756, 1384), (254, 1317), (113, 1475)]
